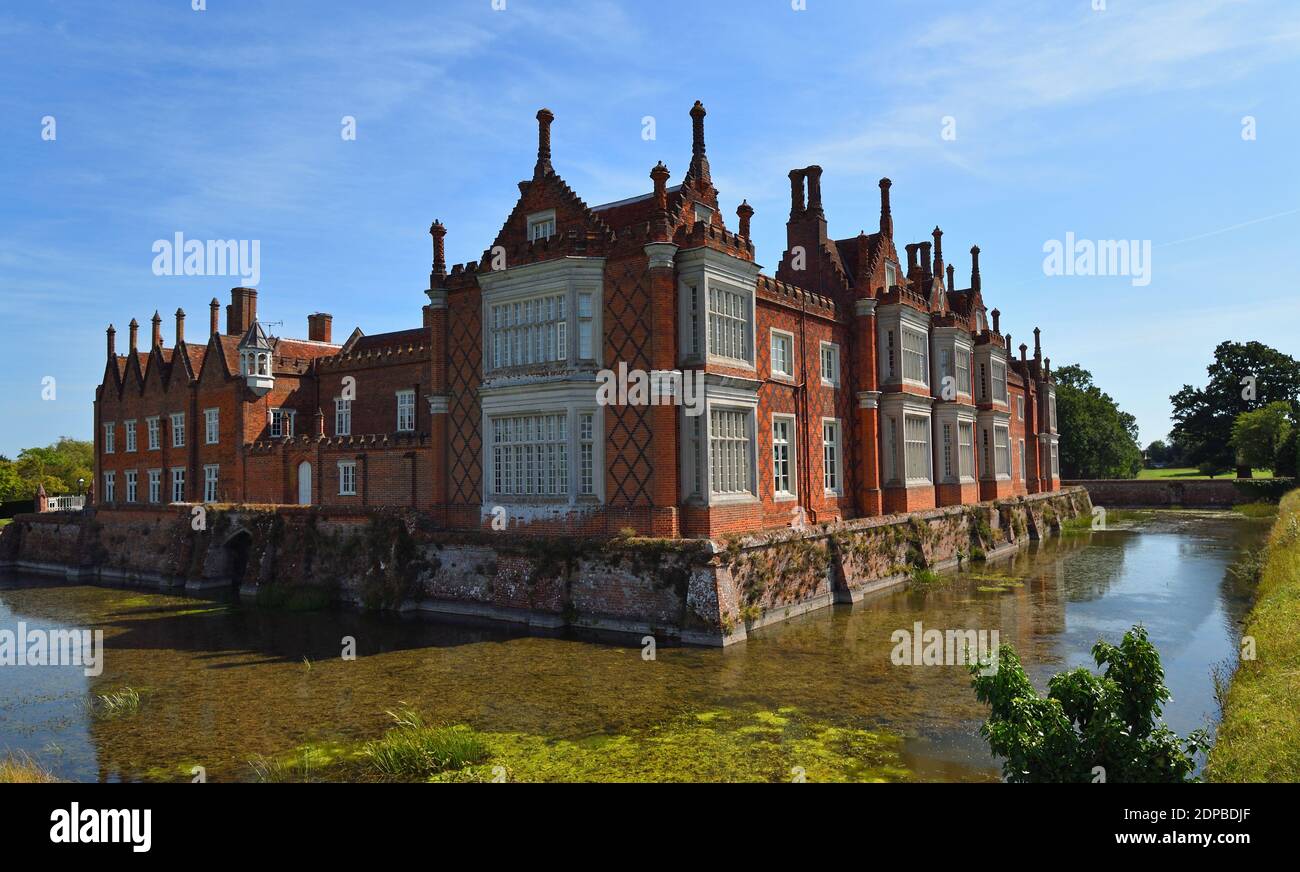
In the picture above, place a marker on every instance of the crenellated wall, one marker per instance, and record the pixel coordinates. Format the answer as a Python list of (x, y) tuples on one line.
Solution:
[(694, 591)]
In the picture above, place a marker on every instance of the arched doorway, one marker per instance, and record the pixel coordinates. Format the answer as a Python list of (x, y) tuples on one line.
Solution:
[(304, 483), (236, 549)]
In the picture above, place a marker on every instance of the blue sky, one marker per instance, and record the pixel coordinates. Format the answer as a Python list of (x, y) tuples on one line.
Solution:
[(1124, 123)]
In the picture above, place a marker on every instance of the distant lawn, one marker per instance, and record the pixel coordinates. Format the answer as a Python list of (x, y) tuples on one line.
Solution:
[(1189, 472), (4, 521)]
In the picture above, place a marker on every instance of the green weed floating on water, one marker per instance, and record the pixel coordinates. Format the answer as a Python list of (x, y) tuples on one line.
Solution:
[(119, 703)]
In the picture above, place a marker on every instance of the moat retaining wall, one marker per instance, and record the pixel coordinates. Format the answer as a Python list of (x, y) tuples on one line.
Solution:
[(1218, 493), (692, 591)]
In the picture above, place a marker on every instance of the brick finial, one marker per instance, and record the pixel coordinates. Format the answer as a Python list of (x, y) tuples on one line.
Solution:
[(744, 212), (938, 250), (1038, 347), (544, 119), (699, 163), (157, 330), (886, 217), (438, 232), (180, 326), (214, 314), (112, 341), (1023, 349), (974, 267), (659, 175), (796, 193), (135, 335), (952, 277), (815, 190), (996, 315)]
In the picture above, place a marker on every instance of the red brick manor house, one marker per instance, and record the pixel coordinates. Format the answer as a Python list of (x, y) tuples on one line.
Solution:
[(851, 382)]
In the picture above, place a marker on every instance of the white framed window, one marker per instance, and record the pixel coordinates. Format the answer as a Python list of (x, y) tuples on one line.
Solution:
[(1056, 461), (530, 455), (132, 485), (891, 448), (110, 433), (831, 474), (693, 338), (830, 357), (211, 426), (891, 356), (730, 314), (406, 411), (966, 449), (347, 478), (963, 372), (155, 485), (916, 431), (541, 225), (782, 354), (999, 381), (129, 426), (891, 275), (154, 426), (1051, 410), (586, 338), (783, 463), (703, 213), (731, 440), (1023, 469), (947, 451), (342, 417), (178, 429), (916, 357), (110, 487), (281, 423), (178, 484), (534, 330), (1002, 450), (1020, 407), (211, 482), (587, 453)]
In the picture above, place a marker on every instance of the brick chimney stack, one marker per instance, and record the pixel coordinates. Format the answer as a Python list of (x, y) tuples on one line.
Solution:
[(1023, 349), (112, 341), (699, 163), (214, 308), (974, 267), (1038, 348), (924, 260), (744, 211), (911, 257), (439, 270), (952, 277), (543, 167), (157, 330), (814, 175), (886, 218), (796, 194), (320, 327), (938, 251), (180, 327), (996, 315), (242, 311), (135, 335)]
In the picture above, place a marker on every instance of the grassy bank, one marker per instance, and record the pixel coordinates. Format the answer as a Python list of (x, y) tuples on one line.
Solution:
[(1183, 473), (1259, 738)]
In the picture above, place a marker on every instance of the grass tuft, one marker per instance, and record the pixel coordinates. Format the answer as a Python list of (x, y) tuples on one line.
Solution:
[(118, 703), (414, 749), (22, 769)]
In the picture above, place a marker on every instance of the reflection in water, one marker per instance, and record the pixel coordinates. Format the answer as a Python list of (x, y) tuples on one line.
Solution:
[(222, 683)]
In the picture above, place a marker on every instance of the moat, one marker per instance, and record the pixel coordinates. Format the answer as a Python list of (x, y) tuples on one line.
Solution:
[(817, 696)]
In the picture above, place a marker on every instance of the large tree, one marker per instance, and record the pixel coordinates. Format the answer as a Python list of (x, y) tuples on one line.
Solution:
[(1097, 439), (1257, 436), (59, 467), (1243, 377)]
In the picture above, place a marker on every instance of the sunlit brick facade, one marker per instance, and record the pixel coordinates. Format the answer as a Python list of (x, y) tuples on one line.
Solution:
[(850, 382)]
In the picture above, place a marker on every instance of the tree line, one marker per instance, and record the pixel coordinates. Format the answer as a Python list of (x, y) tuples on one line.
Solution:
[(61, 468)]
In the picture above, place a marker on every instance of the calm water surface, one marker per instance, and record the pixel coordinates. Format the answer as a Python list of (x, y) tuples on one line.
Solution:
[(221, 683)]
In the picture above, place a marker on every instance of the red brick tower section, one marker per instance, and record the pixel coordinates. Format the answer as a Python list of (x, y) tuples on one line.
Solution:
[(866, 368), (435, 325), (661, 254)]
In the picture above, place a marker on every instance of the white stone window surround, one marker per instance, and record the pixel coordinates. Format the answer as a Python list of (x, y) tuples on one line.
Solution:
[(178, 429), (154, 425), (833, 381), (989, 421), (1049, 449), (897, 407), (897, 318), (986, 356), (789, 425), (573, 397), (955, 341), (704, 269), (569, 276), (838, 447), (211, 426), (347, 478), (775, 338), (405, 400), (722, 392), (110, 441), (954, 416)]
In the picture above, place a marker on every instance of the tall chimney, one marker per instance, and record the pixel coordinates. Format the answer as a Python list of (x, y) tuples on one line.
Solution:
[(1038, 348), (796, 194), (699, 163), (242, 311), (886, 219), (924, 260), (996, 315), (952, 278), (135, 335), (938, 250), (439, 271), (112, 341), (180, 327), (1023, 348), (975, 267), (157, 330), (815, 191), (320, 327), (544, 119), (744, 211), (911, 256), (214, 309)]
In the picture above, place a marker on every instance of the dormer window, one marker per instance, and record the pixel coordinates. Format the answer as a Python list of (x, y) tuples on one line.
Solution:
[(255, 351), (703, 213), (541, 225), (891, 275)]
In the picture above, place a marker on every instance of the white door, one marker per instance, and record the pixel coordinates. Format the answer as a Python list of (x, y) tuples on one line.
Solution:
[(304, 484)]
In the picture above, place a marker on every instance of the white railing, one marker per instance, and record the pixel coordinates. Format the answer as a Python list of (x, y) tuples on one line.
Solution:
[(65, 504)]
